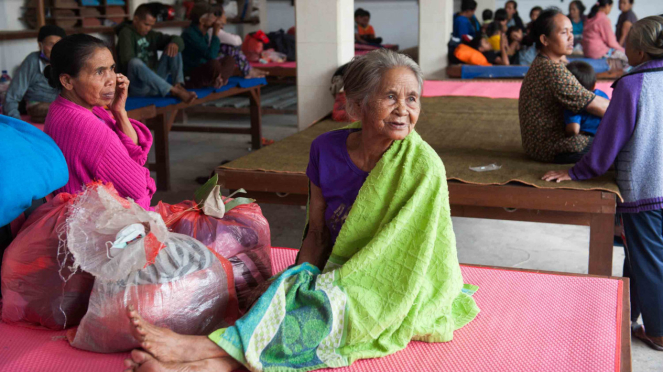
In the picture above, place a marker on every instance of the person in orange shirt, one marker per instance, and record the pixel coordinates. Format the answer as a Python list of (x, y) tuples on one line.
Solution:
[(364, 32)]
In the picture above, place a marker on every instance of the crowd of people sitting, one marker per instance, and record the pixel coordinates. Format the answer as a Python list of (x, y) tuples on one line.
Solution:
[(510, 40), (205, 55)]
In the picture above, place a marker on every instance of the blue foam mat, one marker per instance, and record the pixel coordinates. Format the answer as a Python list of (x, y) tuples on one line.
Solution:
[(496, 72), (492, 72), (599, 65), (134, 103)]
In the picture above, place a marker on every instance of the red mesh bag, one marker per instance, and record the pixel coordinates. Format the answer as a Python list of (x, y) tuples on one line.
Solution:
[(339, 112), (241, 235), (38, 285), (172, 280), (252, 48)]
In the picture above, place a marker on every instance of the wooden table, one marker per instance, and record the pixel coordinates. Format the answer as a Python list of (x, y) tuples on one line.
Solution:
[(595, 209), (161, 121)]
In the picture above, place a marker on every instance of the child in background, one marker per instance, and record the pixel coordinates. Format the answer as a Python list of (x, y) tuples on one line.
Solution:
[(533, 15), (630, 137), (496, 29), (487, 16), (364, 32), (478, 52), (583, 122), (514, 38)]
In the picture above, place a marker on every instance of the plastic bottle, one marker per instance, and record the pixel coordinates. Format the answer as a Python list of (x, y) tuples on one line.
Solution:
[(4, 86)]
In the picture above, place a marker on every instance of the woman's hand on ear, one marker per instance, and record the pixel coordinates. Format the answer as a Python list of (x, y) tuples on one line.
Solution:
[(121, 94)]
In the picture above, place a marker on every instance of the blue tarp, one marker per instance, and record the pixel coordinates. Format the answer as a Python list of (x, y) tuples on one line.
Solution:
[(493, 72), (599, 65), (234, 82), (502, 72)]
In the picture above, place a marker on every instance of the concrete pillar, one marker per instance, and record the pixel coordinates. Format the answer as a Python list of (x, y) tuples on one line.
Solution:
[(325, 41), (435, 27)]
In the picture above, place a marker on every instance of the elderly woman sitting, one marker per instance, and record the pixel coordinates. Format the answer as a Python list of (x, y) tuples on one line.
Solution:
[(548, 89), (97, 144), (378, 265)]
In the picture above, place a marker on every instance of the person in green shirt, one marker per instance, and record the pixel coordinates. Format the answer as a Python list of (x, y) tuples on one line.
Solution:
[(202, 65), (137, 49)]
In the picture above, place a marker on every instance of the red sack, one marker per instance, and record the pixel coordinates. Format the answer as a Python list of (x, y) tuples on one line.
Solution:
[(172, 280), (339, 112), (242, 236), (34, 267), (252, 48)]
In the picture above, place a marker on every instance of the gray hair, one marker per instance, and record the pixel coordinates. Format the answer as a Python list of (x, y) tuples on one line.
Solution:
[(364, 73), (647, 35)]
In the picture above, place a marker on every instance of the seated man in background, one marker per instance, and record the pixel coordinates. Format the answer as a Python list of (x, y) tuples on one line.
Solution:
[(465, 22), (29, 84), (137, 48), (364, 32), (202, 66)]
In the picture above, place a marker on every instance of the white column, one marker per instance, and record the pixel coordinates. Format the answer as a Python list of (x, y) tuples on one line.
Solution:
[(492, 5), (435, 27), (325, 41)]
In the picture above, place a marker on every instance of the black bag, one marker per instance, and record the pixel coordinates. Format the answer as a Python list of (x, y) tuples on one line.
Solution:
[(283, 43)]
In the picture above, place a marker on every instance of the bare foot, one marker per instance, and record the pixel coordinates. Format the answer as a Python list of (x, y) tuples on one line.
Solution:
[(183, 94), (168, 346), (219, 82), (256, 73), (144, 362)]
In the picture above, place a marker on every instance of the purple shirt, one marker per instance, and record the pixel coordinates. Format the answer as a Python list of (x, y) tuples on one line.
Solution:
[(630, 136), (331, 169)]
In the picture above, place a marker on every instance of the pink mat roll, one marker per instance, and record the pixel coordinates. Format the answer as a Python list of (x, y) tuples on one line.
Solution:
[(528, 322), (489, 89)]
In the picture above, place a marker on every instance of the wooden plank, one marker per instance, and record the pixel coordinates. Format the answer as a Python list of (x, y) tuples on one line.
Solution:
[(520, 196), (506, 196), (528, 215), (626, 363), (601, 240), (455, 71), (256, 119), (210, 129), (236, 111), (41, 20), (199, 101), (143, 113), (162, 152)]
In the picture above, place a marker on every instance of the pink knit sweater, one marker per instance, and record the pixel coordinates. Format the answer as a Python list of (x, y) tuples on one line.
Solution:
[(95, 148), (598, 37)]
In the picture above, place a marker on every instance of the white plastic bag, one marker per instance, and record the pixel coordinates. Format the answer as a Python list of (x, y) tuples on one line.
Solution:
[(172, 280)]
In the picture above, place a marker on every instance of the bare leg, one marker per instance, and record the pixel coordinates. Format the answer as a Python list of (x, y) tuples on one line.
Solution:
[(144, 362), (168, 346), (256, 73), (183, 94)]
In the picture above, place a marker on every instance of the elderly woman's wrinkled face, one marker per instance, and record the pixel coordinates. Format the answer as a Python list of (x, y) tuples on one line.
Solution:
[(95, 83), (394, 110)]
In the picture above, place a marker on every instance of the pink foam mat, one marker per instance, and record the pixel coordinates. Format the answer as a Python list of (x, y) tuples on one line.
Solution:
[(490, 89), (528, 322)]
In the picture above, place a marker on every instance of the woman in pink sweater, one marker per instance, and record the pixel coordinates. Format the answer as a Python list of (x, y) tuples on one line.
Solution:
[(96, 144), (598, 39)]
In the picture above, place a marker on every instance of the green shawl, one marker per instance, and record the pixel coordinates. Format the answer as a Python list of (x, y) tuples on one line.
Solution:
[(393, 276)]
